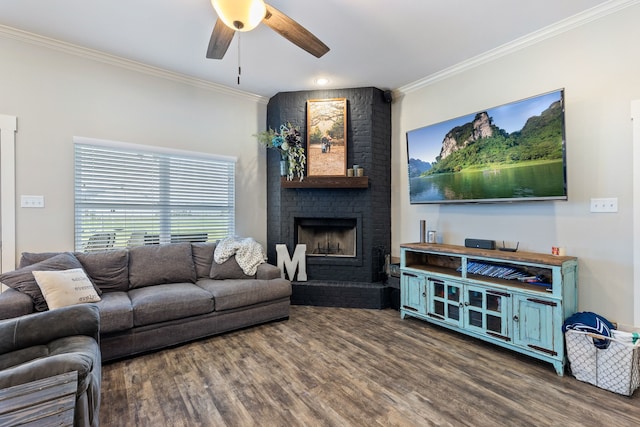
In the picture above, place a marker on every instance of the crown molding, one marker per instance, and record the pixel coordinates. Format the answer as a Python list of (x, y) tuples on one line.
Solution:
[(95, 55), (548, 32)]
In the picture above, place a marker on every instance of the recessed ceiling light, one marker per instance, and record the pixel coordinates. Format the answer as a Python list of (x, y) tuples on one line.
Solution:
[(321, 81)]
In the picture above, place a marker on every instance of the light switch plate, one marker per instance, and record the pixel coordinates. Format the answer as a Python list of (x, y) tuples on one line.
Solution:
[(31, 201), (609, 204)]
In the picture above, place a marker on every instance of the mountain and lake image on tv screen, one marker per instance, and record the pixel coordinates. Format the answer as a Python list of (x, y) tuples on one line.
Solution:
[(508, 153)]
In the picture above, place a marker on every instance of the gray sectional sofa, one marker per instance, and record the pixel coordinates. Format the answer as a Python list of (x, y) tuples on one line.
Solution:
[(159, 295), (44, 345)]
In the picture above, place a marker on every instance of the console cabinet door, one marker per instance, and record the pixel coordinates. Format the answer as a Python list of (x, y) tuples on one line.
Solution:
[(487, 311), (445, 301), (413, 293), (533, 323)]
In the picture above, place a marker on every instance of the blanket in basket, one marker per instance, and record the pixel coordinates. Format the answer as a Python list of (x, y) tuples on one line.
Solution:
[(587, 321)]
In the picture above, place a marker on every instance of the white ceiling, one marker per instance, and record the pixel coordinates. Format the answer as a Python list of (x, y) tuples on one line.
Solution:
[(383, 43)]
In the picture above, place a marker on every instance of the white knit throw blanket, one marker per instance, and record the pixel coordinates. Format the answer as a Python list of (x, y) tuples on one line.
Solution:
[(249, 253)]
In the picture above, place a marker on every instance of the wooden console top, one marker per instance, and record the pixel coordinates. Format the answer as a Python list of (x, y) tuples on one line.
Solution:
[(520, 256)]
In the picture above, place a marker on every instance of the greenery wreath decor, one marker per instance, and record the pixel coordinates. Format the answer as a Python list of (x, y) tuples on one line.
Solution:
[(288, 142)]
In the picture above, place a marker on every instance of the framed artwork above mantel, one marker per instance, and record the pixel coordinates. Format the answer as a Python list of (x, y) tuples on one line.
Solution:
[(327, 137)]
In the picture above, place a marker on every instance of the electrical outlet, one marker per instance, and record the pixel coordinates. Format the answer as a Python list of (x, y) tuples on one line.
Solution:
[(604, 205), (31, 201)]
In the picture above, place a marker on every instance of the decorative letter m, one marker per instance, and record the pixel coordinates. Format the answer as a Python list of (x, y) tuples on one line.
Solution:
[(299, 260)]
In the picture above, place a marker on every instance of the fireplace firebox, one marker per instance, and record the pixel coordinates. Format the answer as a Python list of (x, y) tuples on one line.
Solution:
[(329, 237)]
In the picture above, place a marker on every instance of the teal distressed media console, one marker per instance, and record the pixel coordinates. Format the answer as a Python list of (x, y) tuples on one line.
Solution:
[(517, 300)]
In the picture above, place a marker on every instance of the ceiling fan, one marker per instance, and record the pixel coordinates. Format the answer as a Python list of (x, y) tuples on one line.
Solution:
[(245, 15)]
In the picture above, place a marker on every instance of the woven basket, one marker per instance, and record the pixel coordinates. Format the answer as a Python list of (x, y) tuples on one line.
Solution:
[(615, 368)]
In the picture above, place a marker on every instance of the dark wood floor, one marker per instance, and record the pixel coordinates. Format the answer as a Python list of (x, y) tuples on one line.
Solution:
[(350, 367)]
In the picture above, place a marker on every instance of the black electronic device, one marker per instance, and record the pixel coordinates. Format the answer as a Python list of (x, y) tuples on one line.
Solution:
[(506, 249), (480, 243)]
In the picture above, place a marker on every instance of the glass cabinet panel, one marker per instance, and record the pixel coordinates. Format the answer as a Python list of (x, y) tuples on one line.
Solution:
[(494, 323), (474, 302), (453, 295), (445, 300), (494, 302), (494, 310), (475, 318), (475, 298), (487, 311), (438, 308), (438, 289)]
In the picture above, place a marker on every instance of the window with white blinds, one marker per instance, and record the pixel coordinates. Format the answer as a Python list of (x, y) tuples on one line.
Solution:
[(130, 195)]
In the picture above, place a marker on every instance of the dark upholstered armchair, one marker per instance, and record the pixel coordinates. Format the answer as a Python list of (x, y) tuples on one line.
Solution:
[(42, 345)]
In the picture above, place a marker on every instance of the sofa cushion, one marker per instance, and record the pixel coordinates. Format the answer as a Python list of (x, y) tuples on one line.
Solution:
[(28, 258), (230, 294), (22, 279), (268, 271), (203, 257), (116, 312), (109, 270), (65, 287), (23, 355), (157, 264), (160, 303), (230, 269)]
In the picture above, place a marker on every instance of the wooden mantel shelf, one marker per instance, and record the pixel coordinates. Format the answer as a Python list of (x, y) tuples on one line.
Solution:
[(326, 182)]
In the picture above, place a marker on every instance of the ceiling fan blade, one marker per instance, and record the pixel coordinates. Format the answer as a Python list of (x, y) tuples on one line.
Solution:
[(220, 40), (294, 32)]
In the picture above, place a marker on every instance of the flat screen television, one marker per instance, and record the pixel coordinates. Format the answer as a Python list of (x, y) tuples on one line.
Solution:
[(514, 152)]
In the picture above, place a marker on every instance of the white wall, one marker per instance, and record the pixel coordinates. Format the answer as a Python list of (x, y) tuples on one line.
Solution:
[(599, 67), (57, 94)]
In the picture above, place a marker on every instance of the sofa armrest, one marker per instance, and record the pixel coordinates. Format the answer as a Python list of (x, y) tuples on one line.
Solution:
[(15, 304), (42, 328), (267, 271)]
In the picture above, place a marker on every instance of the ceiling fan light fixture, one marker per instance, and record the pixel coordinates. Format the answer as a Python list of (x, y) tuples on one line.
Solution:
[(241, 15)]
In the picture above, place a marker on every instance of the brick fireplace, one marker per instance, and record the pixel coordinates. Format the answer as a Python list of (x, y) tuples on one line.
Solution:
[(347, 230)]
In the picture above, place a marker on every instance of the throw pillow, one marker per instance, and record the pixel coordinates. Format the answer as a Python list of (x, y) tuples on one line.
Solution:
[(157, 264), (109, 270), (66, 287), (230, 269), (203, 257), (22, 279), (28, 258)]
